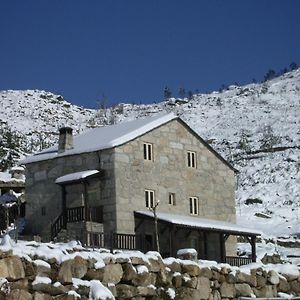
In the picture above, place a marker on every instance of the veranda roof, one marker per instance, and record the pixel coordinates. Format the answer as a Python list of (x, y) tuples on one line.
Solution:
[(200, 223), (77, 176)]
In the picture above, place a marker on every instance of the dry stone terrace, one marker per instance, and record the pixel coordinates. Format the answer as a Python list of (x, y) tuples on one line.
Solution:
[(68, 271)]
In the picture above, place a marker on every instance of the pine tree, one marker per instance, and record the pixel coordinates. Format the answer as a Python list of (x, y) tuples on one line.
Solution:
[(167, 93), (293, 66), (181, 92)]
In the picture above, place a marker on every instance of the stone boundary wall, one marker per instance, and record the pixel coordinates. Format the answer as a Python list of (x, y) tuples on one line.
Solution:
[(139, 276)]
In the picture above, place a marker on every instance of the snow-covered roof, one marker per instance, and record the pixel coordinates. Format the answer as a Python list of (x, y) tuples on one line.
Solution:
[(6, 177), (105, 137), (76, 176), (196, 222)]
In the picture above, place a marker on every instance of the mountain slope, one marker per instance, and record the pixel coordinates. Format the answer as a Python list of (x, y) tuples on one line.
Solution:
[(256, 127)]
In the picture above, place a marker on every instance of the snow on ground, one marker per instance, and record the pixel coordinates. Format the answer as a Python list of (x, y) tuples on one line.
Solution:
[(241, 123)]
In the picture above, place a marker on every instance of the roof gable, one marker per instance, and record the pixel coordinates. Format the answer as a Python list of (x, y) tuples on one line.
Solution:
[(111, 136), (105, 137)]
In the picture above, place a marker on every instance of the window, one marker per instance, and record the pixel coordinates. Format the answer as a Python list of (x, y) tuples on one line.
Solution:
[(43, 211), (172, 198), (191, 159), (194, 206), (148, 151), (149, 198)]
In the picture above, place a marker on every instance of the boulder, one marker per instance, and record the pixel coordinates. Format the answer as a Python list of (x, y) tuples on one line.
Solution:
[(216, 295), (112, 273), (11, 268), (188, 294), (73, 268), (227, 290), (146, 291), (173, 265), (295, 286), (19, 294), (283, 286), (243, 290), (206, 272), (129, 272), (125, 291), (188, 254), (41, 296), (268, 291), (242, 277), (177, 280), (21, 284), (203, 284), (273, 277), (191, 268)]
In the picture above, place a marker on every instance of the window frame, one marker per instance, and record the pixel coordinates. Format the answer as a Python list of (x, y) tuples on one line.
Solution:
[(194, 206), (148, 151), (192, 159), (172, 199), (149, 201)]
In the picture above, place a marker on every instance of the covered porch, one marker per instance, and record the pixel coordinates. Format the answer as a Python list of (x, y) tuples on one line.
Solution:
[(213, 240), (80, 201)]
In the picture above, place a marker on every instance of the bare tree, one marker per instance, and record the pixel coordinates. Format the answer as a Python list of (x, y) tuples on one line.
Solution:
[(154, 209)]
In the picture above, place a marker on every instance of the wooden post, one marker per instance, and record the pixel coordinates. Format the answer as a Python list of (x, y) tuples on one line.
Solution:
[(205, 244), (64, 207), (253, 248), (222, 248)]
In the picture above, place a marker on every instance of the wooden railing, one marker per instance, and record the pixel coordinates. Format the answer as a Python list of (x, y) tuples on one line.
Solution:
[(238, 261), (57, 226), (76, 214), (112, 241)]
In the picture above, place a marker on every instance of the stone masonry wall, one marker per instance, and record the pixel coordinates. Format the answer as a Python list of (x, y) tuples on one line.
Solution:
[(44, 197), (138, 277), (213, 182)]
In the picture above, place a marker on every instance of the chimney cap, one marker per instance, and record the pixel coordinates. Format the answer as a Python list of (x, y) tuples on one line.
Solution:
[(65, 129)]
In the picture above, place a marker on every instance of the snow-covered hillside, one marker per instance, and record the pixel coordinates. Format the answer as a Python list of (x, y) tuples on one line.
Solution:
[(256, 127)]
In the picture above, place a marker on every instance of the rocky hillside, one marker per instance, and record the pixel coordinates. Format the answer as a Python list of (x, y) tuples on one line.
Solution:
[(256, 127)]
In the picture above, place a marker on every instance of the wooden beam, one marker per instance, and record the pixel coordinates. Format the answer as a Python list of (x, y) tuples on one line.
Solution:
[(205, 244), (64, 206), (253, 248), (222, 247)]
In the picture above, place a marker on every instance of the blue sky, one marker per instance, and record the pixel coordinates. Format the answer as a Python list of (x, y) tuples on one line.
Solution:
[(129, 50)]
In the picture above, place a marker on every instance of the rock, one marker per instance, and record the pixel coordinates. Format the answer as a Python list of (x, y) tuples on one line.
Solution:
[(271, 259), (21, 284), (188, 254), (144, 279), (188, 294), (173, 265), (243, 290), (191, 268), (268, 291), (242, 277), (41, 268), (156, 264), (146, 291), (177, 281), (112, 273), (261, 281), (73, 268), (125, 291), (164, 278), (203, 284), (215, 275), (129, 272), (295, 286), (49, 289), (216, 295), (19, 295), (40, 296), (29, 269), (4, 254), (273, 277), (283, 286), (206, 272), (227, 290), (11, 268), (92, 274)]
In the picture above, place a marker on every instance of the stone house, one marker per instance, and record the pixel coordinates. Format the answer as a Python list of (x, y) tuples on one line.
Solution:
[(106, 181)]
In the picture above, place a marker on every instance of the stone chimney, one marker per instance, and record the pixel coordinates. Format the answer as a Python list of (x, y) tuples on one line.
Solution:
[(65, 141)]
